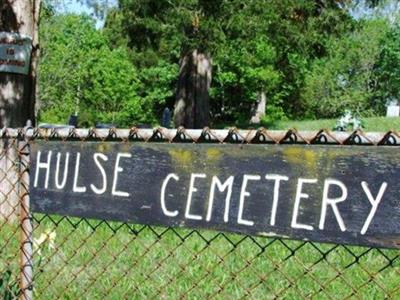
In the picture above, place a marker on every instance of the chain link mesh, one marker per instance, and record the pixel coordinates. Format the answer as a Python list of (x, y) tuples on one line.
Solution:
[(77, 258), (9, 215)]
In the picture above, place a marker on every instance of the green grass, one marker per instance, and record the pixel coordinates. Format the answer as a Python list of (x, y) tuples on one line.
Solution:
[(370, 124), (95, 260), (98, 260), (9, 260)]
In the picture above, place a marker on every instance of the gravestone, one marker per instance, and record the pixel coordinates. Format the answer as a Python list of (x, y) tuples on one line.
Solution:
[(393, 110), (73, 121), (166, 118)]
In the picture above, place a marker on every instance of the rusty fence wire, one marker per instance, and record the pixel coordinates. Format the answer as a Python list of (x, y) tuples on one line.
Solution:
[(46, 256)]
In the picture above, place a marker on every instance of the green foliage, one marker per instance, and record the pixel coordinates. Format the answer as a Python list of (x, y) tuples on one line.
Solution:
[(310, 58), (255, 46), (295, 52), (344, 79), (159, 81), (244, 62), (79, 72), (111, 88), (387, 71), (8, 289), (113, 29)]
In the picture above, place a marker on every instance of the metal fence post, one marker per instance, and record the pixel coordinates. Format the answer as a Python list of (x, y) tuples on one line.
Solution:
[(26, 275)]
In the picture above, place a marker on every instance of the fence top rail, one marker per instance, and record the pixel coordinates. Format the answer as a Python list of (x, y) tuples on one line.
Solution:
[(207, 135)]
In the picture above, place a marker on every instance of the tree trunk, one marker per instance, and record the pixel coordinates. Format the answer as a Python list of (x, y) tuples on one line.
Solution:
[(17, 91), (192, 107), (17, 99)]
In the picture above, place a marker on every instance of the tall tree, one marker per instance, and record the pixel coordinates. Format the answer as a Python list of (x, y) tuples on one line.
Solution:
[(256, 47), (17, 92), (179, 32)]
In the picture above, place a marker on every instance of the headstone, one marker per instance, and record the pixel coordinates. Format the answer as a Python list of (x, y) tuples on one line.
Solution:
[(29, 124), (166, 118), (73, 120), (393, 111)]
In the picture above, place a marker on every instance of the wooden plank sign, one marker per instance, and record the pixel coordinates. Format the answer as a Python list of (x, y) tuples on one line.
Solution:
[(339, 194)]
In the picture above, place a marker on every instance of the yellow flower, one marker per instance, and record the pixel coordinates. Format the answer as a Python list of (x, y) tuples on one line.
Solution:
[(48, 236)]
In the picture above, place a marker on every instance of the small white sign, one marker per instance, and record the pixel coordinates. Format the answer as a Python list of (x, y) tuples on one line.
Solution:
[(15, 53), (393, 111)]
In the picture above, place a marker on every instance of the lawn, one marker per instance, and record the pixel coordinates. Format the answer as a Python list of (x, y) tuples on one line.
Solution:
[(99, 260), (370, 124)]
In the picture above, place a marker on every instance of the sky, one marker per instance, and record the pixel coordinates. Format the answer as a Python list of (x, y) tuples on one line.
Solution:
[(74, 6), (391, 10)]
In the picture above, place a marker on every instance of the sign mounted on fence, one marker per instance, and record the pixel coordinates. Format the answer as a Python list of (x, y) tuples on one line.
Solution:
[(15, 53), (339, 194)]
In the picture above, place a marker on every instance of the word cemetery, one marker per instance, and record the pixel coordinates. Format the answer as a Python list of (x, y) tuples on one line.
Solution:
[(339, 194)]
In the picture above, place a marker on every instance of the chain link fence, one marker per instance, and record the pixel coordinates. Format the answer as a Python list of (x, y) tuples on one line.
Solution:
[(49, 257)]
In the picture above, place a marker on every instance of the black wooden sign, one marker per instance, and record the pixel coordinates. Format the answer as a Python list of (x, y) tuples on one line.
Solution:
[(339, 194)]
